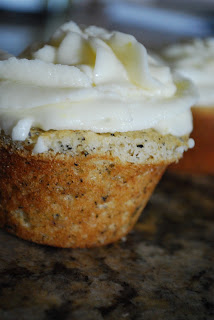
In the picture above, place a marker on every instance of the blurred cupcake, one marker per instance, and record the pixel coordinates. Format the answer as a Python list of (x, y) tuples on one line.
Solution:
[(89, 123), (195, 60)]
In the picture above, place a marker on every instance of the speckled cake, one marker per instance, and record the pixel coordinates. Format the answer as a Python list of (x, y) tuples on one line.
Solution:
[(90, 192)]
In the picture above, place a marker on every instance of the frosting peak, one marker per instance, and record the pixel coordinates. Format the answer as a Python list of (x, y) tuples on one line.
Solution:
[(91, 79), (97, 57)]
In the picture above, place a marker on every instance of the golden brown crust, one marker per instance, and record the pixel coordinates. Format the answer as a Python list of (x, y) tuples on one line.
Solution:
[(80, 201), (200, 159)]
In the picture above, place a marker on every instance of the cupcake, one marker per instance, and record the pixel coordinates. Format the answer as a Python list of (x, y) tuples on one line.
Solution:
[(195, 60), (89, 122)]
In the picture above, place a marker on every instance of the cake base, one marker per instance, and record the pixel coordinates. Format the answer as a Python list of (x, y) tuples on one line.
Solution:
[(66, 201)]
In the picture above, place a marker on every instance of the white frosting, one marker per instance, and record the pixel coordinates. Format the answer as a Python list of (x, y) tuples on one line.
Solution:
[(195, 60), (92, 79)]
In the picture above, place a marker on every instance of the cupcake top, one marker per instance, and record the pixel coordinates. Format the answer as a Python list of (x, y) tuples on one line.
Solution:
[(195, 60), (92, 79)]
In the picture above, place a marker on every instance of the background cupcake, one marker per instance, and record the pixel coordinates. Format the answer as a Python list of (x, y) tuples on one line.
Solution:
[(195, 60), (89, 123)]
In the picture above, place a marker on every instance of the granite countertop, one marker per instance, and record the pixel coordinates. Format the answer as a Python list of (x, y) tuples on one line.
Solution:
[(162, 270)]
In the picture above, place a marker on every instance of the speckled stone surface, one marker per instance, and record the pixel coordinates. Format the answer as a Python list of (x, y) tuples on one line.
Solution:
[(163, 270)]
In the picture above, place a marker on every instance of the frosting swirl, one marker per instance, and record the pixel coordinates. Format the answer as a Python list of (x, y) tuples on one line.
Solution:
[(195, 60), (92, 79)]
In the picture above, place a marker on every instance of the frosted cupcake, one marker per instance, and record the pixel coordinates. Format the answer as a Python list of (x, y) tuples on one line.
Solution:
[(195, 60), (89, 122)]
